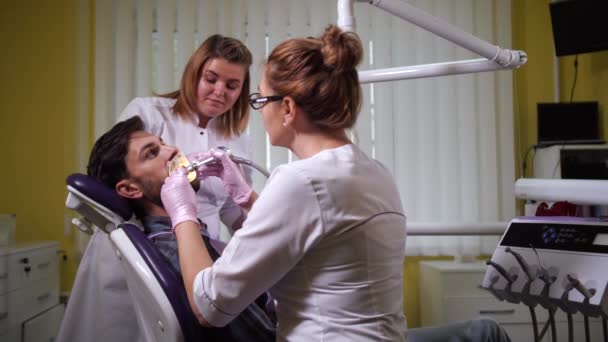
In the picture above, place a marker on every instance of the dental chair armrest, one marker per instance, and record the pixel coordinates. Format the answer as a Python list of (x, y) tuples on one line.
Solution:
[(170, 281)]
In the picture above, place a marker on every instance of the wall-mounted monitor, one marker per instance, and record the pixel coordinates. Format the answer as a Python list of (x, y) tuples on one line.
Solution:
[(579, 26), (568, 123)]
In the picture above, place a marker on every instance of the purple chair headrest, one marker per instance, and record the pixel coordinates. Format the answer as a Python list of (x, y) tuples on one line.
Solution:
[(99, 192)]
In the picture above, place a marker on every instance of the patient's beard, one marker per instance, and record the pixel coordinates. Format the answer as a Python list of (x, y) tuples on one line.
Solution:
[(151, 191)]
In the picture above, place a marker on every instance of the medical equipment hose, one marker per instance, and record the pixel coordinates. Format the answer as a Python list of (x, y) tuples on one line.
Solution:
[(570, 328), (255, 166), (586, 321), (552, 320), (195, 165), (544, 330), (244, 161), (534, 323)]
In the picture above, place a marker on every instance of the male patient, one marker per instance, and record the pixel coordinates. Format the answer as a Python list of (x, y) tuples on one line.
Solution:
[(134, 163)]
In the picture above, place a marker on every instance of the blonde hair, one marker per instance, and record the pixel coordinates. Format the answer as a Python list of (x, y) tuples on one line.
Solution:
[(320, 75), (234, 121)]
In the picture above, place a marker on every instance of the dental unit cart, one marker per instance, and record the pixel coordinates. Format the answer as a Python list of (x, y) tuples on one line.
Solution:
[(557, 266)]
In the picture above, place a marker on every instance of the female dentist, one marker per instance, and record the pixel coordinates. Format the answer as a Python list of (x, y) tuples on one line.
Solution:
[(327, 235)]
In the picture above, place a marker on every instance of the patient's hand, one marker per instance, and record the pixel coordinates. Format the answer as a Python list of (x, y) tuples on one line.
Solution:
[(179, 198)]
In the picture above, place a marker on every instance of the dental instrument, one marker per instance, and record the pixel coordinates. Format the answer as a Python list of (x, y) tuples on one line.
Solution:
[(212, 160)]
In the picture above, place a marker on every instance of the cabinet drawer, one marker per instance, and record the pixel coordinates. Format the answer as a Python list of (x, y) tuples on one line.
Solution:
[(459, 308), (463, 284), (3, 314), (26, 302), (43, 328), (3, 274), (31, 265)]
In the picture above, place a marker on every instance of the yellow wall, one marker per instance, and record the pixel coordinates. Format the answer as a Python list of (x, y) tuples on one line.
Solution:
[(38, 118)]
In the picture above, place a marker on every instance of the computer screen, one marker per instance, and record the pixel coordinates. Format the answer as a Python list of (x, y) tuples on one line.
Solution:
[(579, 26), (568, 122)]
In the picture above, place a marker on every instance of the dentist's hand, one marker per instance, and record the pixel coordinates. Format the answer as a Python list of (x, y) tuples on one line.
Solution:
[(205, 171), (234, 181), (179, 198)]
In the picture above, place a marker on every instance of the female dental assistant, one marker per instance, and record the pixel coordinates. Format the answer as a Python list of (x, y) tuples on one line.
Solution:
[(326, 236), (210, 109)]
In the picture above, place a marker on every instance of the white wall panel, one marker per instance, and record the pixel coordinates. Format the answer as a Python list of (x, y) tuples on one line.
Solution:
[(256, 41), (104, 67), (207, 20), (504, 94), (383, 140), (279, 19), (487, 120), (165, 17), (320, 15), (447, 134), (468, 130), (363, 129), (239, 22), (143, 48), (123, 54), (186, 16)]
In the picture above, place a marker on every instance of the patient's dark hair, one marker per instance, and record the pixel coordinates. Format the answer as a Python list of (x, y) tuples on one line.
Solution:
[(107, 160)]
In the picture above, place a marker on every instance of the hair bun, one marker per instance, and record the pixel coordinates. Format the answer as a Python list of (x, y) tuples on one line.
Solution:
[(341, 50)]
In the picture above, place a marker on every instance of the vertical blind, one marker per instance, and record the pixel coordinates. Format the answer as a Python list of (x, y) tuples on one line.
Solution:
[(447, 140)]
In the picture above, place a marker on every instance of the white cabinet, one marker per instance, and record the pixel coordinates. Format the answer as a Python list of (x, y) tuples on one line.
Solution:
[(449, 292), (29, 292)]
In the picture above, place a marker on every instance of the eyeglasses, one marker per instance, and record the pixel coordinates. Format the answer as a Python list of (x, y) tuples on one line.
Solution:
[(257, 101)]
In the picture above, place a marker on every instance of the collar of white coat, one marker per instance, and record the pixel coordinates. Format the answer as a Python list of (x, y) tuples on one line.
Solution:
[(213, 122)]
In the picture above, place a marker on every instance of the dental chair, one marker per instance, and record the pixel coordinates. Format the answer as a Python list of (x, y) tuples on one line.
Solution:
[(160, 300)]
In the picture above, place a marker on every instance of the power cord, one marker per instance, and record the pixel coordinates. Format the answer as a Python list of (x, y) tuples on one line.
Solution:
[(575, 75), (525, 161)]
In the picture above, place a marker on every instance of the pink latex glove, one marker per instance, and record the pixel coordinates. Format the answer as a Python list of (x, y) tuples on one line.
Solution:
[(179, 198), (234, 181), (203, 172)]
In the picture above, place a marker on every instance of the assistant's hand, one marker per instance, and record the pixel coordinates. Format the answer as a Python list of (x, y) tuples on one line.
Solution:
[(179, 198), (234, 181)]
